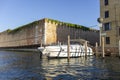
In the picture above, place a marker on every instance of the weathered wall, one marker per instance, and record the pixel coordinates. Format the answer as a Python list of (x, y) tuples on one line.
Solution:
[(29, 35), (114, 19), (63, 32), (113, 33), (50, 32), (59, 32), (45, 32)]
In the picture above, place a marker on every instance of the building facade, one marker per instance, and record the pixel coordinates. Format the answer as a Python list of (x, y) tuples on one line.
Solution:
[(46, 32), (110, 13)]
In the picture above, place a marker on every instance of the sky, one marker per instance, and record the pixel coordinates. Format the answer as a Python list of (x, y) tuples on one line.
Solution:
[(15, 13)]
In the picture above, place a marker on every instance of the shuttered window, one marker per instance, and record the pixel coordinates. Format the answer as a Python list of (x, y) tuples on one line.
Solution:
[(107, 26)]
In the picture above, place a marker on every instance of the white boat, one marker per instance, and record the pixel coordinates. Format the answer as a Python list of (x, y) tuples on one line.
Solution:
[(60, 51)]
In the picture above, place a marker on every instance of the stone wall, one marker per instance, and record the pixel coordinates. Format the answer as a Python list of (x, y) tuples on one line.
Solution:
[(59, 33), (45, 32), (26, 36), (63, 32), (113, 18), (50, 32)]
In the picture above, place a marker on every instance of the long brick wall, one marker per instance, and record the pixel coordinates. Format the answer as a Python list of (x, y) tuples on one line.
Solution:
[(56, 32), (45, 32), (28, 35), (63, 32)]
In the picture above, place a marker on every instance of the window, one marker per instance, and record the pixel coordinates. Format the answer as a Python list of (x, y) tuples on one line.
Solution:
[(107, 40), (106, 14), (107, 26), (119, 31), (106, 2)]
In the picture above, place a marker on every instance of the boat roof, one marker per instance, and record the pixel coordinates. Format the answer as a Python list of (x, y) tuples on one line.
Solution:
[(81, 41)]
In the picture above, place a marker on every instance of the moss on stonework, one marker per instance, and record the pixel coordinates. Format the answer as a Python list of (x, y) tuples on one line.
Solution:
[(8, 30), (21, 27), (52, 21), (69, 24)]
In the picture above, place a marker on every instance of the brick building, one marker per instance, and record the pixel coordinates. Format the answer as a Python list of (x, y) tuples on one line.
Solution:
[(46, 31), (110, 13)]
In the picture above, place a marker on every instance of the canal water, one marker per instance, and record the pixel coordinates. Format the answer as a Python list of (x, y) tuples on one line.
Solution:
[(29, 66)]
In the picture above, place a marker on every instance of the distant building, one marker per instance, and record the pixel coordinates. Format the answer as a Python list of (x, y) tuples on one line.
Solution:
[(110, 13), (46, 31)]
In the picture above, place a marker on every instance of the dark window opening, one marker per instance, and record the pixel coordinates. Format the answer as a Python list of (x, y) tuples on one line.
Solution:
[(107, 40), (119, 31), (106, 2), (107, 26), (106, 14)]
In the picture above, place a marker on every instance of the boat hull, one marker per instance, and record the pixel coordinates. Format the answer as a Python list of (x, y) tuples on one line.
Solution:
[(61, 51)]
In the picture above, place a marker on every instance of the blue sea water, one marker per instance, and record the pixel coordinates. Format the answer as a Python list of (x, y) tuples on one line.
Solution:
[(29, 66)]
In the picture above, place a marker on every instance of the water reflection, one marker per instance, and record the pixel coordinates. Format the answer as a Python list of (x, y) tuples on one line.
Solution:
[(29, 66), (70, 70)]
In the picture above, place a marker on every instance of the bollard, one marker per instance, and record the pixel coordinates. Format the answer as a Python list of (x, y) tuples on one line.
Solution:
[(103, 48), (68, 49), (85, 48), (119, 49), (96, 49)]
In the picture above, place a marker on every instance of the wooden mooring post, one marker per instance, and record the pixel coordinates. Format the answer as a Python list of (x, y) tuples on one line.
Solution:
[(68, 49), (96, 49), (103, 48), (41, 38), (119, 49), (41, 44), (85, 48)]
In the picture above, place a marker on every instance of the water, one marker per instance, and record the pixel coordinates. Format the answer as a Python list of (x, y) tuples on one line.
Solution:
[(29, 66)]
